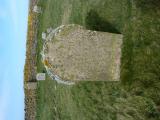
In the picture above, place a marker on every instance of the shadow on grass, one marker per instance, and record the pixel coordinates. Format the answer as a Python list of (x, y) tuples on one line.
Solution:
[(148, 5), (95, 22)]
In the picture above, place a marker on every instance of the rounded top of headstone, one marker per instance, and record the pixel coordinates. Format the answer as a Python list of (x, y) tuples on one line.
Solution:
[(77, 54)]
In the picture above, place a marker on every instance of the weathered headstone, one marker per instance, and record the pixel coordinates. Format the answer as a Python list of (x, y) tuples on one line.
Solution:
[(77, 54), (37, 9), (41, 76)]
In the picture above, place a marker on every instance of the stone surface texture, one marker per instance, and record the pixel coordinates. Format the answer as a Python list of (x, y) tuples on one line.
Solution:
[(77, 54)]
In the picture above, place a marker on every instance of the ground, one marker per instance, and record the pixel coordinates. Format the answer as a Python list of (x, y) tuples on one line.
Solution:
[(137, 96)]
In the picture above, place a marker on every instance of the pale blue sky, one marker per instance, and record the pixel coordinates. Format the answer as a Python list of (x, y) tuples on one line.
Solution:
[(13, 29)]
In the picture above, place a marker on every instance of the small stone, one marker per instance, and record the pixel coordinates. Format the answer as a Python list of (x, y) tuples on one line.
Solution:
[(37, 9), (44, 35), (41, 76)]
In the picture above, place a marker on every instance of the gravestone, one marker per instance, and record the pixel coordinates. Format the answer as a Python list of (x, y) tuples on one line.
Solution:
[(41, 76), (77, 54), (37, 9)]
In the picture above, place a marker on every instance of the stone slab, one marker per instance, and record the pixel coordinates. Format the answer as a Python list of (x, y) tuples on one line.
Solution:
[(77, 54)]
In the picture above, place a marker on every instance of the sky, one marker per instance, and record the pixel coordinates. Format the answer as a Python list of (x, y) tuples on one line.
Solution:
[(13, 29)]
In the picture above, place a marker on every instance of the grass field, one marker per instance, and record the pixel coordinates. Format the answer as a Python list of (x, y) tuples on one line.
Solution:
[(137, 96)]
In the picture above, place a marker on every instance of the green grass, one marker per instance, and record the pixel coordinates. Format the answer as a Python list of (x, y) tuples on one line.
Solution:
[(137, 96)]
